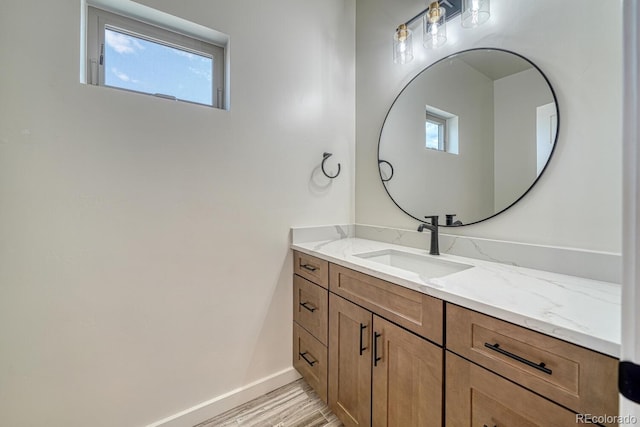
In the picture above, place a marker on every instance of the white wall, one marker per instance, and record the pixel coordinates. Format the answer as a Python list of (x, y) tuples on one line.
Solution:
[(516, 99), (463, 92), (577, 202), (144, 261)]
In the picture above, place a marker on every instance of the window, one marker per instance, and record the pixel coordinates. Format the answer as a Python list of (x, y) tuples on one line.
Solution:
[(436, 130), (441, 130), (125, 53)]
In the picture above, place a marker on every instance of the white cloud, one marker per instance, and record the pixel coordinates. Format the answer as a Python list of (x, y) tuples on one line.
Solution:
[(186, 54), (202, 73), (122, 76), (122, 43)]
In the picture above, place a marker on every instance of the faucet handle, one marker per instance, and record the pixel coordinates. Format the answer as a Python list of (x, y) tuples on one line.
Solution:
[(433, 218)]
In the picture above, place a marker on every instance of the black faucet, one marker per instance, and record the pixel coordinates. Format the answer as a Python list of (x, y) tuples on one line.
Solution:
[(433, 227), (450, 221)]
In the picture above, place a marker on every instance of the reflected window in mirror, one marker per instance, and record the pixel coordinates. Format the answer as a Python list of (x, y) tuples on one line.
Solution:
[(441, 130), (436, 130)]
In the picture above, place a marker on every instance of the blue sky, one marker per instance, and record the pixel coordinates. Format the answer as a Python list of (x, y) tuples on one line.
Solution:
[(137, 64), (433, 135)]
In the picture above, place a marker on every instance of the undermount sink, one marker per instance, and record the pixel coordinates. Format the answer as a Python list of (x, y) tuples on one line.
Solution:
[(426, 266)]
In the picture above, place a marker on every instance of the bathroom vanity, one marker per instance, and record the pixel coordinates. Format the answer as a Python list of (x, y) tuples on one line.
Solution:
[(390, 336)]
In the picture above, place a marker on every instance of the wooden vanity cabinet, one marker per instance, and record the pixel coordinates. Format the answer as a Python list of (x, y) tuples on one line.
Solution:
[(374, 351), (311, 320), (572, 376), (381, 374)]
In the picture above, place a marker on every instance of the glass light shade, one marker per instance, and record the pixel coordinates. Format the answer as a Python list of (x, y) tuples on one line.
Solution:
[(402, 45), (475, 12), (435, 26)]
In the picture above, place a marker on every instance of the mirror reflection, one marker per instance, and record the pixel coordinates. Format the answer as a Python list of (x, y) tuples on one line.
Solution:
[(468, 136)]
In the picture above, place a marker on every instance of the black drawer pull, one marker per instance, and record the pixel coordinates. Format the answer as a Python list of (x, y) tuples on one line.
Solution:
[(310, 362), (376, 359), (362, 328), (308, 267), (308, 306), (539, 366)]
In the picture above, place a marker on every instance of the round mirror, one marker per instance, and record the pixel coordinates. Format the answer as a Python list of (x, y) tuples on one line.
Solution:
[(468, 136)]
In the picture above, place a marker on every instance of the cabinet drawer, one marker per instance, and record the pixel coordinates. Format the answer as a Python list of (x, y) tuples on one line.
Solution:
[(311, 268), (413, 310), (310, 308), (310, 359), (578, 378), (478, 397)]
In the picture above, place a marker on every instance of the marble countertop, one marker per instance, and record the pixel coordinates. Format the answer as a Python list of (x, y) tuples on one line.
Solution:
[(581, 311)]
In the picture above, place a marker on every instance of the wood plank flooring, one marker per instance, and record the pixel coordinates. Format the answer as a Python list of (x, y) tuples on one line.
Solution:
[(294, 405)]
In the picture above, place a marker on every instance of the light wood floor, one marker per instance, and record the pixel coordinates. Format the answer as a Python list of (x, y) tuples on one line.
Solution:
[(294, 405)]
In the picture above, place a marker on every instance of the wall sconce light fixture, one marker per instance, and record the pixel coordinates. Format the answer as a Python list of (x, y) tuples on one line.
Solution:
[(402, 45), (435, 17), (435, 26)]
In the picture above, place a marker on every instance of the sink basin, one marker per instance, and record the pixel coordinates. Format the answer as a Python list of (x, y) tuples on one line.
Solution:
[(425, 266)]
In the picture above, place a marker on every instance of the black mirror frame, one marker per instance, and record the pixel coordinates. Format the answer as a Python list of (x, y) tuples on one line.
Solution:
[(553, 149)]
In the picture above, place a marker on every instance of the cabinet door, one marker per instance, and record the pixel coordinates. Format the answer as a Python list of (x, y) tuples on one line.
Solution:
[(350, 362), (478, 397), (407, 378)]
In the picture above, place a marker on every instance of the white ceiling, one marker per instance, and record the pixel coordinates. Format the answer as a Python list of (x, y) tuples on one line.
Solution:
[(496, 65)]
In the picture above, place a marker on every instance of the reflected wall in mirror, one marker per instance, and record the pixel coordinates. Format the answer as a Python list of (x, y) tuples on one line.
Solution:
[(469, 136)]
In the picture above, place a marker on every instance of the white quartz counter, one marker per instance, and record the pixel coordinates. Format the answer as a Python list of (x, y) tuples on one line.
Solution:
[(582, 311)]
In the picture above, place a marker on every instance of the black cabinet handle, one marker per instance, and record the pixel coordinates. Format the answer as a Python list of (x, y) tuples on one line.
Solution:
[(362, 328), (310, 362), (308, 307), (308, 267), (539, 366), (376, 359)]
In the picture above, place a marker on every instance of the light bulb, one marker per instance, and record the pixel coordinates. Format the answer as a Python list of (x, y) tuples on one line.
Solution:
[(434, 33), (475, 8), (475, 12)]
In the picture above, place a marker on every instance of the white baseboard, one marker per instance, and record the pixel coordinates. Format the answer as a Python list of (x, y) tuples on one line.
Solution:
[(209, 409)]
